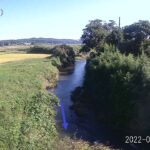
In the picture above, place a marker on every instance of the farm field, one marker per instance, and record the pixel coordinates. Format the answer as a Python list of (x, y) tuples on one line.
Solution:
[(16, 57), (24, 48), (14, 49)]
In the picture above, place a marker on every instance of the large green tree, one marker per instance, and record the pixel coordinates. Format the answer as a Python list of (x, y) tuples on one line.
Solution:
[(95, 33), (136, 34), (137, 31), (115, 37)]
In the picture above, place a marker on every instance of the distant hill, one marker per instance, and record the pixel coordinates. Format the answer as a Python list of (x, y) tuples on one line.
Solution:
[(36, 41)]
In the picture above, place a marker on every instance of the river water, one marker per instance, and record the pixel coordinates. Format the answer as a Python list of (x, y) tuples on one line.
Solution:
[(83, 128), (66, 84)]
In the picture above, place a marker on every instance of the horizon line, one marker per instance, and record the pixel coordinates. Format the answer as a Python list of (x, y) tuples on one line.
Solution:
[(40, 37)]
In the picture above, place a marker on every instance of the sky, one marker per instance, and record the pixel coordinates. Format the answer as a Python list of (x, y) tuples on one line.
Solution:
[(64, 18)]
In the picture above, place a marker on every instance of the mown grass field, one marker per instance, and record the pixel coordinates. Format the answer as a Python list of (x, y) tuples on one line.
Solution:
[(15, 57), (14, 49), (17, 53)]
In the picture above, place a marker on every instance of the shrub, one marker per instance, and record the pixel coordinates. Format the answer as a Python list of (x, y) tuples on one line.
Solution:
[(39, 50), (56, 62), (118, 87), (146, 47), (65, 53)]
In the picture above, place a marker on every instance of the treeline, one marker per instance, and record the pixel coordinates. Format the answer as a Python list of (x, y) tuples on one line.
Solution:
[(36, 41), (117, 79), (133, 38)]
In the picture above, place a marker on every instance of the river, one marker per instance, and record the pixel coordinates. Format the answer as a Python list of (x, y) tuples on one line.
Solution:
[(83, 128), (66, 84)]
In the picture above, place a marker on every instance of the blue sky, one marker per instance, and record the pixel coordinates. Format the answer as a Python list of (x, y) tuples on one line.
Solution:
[(64, 18)]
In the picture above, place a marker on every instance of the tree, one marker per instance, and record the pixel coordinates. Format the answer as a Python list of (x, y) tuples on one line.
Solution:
[(146, 46), (95, 33), (85, 49), (137, 33), (111, 25), (115, 37)]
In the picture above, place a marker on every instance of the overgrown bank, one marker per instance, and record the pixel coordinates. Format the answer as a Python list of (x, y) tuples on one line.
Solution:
[(117, 88), (117, 80)]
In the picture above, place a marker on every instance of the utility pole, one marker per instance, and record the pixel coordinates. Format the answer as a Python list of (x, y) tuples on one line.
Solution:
[(119, 22), (119, 32)]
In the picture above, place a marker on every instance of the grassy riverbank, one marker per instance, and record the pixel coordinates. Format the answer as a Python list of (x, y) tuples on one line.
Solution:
[(26, 108), (26, 113)]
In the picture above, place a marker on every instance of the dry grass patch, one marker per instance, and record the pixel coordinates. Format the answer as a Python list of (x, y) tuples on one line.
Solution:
[(15, 49), (15, 57)]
